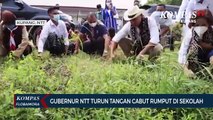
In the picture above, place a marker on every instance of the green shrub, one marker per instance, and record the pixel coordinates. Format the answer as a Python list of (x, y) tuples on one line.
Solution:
[(87, 74)]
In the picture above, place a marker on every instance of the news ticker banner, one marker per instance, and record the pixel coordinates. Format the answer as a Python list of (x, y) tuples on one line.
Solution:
[(113, 100)]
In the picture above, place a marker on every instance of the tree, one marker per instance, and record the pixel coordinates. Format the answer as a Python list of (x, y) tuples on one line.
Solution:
[(167, 2)]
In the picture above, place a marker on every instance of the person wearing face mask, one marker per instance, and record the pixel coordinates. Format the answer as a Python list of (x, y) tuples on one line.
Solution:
[(181, 18), (200, 49), (164, 20), (54, 36), (94, 36), (144, 36), (14, 39), (110, 14), (181, 11), (193, 5)]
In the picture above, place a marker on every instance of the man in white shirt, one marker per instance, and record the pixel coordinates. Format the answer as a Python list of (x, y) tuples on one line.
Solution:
[(54, 35), (181, 17), (182, 10), (163, 19), (144, 36)]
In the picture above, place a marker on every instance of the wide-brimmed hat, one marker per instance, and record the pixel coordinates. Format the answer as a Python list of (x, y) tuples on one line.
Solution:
[(133, 13)]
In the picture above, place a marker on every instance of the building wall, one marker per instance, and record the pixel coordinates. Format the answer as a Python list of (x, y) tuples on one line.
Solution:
[(78, 13)]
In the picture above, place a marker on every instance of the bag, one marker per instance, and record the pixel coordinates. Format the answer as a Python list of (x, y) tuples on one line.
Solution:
[(55, 44)]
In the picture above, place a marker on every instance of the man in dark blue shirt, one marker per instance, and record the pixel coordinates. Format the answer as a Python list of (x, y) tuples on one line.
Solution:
[(94, 36)]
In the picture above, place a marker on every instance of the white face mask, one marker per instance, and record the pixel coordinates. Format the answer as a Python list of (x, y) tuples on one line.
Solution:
[(200, 30), (159, 13), (56, 18), (93, 24)]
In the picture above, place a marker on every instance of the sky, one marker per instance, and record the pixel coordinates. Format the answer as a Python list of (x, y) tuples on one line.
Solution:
[(124, 4)]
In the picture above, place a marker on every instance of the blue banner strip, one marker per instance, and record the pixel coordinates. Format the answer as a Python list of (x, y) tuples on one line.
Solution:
[(113, 100)]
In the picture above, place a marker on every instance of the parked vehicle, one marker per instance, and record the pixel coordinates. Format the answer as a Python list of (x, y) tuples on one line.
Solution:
[(173, 9), (24, 11)]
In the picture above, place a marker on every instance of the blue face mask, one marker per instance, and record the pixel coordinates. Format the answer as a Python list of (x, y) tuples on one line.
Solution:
[(56, 18)]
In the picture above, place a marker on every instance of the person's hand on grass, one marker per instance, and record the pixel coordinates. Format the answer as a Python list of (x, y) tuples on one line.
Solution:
[(76, 51), (140, 57), (39, 54), (112, 57), (105, 54), (43, 55), (187, 71)]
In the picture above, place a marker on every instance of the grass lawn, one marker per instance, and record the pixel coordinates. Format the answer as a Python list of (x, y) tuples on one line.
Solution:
[(90, 75)]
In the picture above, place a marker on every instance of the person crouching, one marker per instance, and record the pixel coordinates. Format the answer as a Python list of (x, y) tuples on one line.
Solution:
[(14, 39), (201, 45), (144, 36), (54, 35)]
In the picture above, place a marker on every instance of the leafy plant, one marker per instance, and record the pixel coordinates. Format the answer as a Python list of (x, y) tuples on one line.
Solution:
[(90, 75)]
